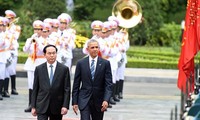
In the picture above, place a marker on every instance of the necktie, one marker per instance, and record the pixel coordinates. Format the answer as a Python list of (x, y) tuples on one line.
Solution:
[(51, 74), (92, 70)]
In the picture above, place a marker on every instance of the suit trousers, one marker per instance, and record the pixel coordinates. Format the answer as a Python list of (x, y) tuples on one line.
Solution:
[(90, 112), (49, 115)]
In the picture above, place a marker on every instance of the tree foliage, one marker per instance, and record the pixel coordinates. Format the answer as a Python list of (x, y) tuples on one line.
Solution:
[(8, 4), (86, 9), (48, 8)]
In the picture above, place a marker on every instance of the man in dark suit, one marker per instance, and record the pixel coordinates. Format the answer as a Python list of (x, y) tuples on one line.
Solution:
[(92, 87), (51, 88)]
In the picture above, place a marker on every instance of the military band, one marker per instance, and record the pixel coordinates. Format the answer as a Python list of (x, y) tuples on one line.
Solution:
[(9, 49), (57, 31)]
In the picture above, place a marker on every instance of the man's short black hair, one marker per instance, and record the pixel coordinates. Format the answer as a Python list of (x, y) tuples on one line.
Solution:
[(45, 48)]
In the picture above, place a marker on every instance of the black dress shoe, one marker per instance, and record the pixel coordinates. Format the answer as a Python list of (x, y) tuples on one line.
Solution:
[(116, 99), (28, 109), (6, 94), (112, 101), (1, 98), (14, 92)]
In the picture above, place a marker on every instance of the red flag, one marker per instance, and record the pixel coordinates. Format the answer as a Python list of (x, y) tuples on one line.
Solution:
[(189, 47)]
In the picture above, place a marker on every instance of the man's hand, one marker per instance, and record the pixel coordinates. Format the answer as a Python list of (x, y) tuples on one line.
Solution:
[(33, 111), (104, 106), (64, 111), (75, 108)]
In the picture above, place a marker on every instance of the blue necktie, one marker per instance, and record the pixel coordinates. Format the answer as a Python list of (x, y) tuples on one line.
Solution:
[(51, 74), (92, 70)]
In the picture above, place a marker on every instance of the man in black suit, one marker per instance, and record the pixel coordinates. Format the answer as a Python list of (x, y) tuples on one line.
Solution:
[(92, 87), (51, 88)]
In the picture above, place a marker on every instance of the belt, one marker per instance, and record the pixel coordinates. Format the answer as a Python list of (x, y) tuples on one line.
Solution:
[(105, 57), (3, 50), (41, 56)]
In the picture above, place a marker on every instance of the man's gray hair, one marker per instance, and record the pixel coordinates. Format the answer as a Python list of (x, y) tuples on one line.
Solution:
[(91, 41)]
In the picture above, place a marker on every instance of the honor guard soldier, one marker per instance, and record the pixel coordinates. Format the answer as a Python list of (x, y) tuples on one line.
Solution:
[(56, 24), (3, 60), (34, 48), (12, 27), (110, 53), (46, 35), (123, 45), (12, 53), (15, 30), (50, 22), (67, 38), (116, 37)]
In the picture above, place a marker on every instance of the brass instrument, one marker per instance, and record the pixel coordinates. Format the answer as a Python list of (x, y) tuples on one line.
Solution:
[(14, 21), (33, 41), (128, 12)]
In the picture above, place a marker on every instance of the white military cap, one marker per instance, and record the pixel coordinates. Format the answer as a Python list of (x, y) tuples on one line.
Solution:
[(56, 22), (113, 24), (46, 27), (113, 18), (67, 16), (10, 14), (63, 18), (97, 25), (5, 20), (106, 26), (38, 24), (48, 20)]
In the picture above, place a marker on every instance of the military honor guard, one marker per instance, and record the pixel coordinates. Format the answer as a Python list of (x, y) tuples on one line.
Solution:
[(34, 47), (12, 34), (110, 52), (66, 39), (123, 44), (3, 60)]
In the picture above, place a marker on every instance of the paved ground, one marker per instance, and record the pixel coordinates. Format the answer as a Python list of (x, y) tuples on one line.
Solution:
[(149, 94)]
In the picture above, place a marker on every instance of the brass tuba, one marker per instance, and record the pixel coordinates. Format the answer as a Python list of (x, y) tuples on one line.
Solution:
[(128, 12)]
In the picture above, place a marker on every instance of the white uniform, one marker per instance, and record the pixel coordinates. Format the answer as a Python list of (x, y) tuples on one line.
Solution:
[(12, 53), (67, 44), (36, 56), (3, 60), (15, 30), (124, 45), (110, 54)]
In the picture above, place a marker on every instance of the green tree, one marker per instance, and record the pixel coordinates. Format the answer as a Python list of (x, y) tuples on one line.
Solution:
[(92, 9), (47, 8), (8, 4)]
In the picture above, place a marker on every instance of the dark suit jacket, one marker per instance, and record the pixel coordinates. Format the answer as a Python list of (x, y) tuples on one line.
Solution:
[(54, 96), (84, 87)]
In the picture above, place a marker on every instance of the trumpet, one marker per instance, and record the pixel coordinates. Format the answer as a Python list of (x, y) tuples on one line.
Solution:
[(14, 21), (33, 40)]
